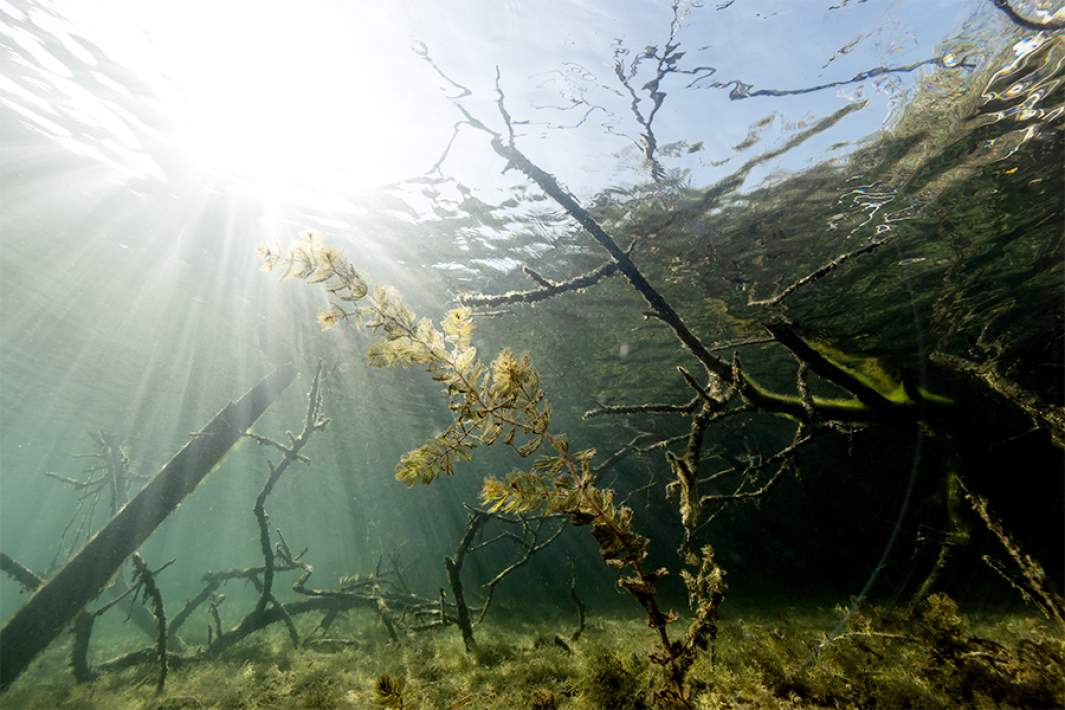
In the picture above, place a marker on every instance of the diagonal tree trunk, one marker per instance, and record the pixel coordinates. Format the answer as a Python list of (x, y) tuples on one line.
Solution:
[(57, 602)]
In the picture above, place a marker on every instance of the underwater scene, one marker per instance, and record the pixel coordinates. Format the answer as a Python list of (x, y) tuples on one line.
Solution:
[(545, 354)]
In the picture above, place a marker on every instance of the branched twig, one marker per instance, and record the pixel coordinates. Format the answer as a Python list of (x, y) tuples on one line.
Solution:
[(741, 90), (20, 573), (530, 546), (621, 453), (788, 336), (650, 408), (422, 51), (285, 450), (785, 459), (701, 392), (314, 421), (667, 63), (547, 288), (815, 275), (1033, 578), (1043, 414), (501, 104)]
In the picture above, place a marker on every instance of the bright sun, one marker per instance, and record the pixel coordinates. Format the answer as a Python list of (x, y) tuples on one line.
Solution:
[(276, 95), (282, 101)]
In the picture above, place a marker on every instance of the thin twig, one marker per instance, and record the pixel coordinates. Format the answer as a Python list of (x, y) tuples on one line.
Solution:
[(815, 274), (649, 408), (548, 288)]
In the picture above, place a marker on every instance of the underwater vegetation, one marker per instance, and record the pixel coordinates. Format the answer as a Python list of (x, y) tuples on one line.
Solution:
[(770, 375), (773, 660)]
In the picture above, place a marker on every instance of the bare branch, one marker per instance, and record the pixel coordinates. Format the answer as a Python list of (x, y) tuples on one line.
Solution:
[(1042, 413), (700, 391), (788, 336), (654, 299), (503, 109), (784, 457), (453, 566), (622, 452), (1033, 578), (20, 573), (741, 90), (652, 408), (422, 51), (531, 547), (267, 441), (668, 59), (190, 606), (436, 169), (73, 482), (815, 274), (548, 289)]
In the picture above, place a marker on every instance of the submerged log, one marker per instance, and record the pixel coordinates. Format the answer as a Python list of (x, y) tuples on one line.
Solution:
[(55, 604)]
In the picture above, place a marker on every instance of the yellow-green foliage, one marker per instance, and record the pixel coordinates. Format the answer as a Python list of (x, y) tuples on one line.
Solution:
[(501, 401), (388, 691), (615, 680)]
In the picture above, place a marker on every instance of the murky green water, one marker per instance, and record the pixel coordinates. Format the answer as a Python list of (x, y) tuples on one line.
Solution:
[(793, 270)]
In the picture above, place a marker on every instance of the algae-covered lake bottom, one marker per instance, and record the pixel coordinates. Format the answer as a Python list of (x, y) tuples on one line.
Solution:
[(763, 658)]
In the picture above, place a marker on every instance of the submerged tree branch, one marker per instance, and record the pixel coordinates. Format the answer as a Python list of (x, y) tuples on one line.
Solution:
[(548, 288), (741, 90), (453, 565), (19, 572), (1033, 582), (650, 408), (1043, 414), (815, 274), (785, 459)]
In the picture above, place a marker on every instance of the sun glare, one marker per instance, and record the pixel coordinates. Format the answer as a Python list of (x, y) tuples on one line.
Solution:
[(276, 102), (276, 96)]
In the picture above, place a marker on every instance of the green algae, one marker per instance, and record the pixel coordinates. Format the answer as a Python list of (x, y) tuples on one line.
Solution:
[(784, 658)]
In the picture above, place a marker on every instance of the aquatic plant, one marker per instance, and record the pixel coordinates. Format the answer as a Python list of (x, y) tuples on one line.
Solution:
[(504, 402), (612, 681), (388, 691), (145, 579)]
